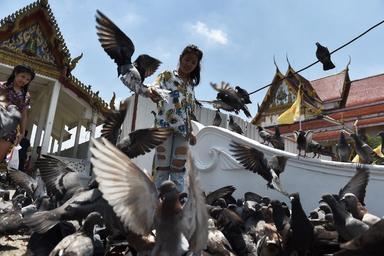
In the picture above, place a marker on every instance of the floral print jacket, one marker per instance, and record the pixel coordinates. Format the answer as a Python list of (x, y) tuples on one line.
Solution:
[(174, 112)]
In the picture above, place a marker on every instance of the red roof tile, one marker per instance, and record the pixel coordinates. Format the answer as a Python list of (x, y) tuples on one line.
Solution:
[(330, 87), (366, 90)]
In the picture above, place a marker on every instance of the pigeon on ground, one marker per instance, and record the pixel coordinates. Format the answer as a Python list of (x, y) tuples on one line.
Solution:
[(80, 243), (346, 225), (323, 55), (343, 149)]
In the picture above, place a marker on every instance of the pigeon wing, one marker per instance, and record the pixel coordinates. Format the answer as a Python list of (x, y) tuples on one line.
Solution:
[(357, 184), (143, 140), (219, 193), (195, 212), (127, 188), (112, 124), (114, 42), (23, 180), (252, 159), (146, 65)]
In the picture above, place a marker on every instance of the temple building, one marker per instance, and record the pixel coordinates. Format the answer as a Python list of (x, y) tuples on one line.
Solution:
[(329, 104), (59, 100)]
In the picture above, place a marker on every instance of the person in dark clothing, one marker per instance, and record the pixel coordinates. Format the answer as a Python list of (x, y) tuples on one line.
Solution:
[(25, 144)]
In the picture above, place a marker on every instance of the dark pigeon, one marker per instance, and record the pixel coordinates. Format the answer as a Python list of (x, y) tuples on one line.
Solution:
[(323, 55), (276, 140), (343, 149), (234, 126), (365, 152), (255, 161), (243, 94), (303, 138), (217, 120), (229, 96), (120, 48)]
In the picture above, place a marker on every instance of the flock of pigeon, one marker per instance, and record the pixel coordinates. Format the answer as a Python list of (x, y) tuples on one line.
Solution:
[(119, 211)]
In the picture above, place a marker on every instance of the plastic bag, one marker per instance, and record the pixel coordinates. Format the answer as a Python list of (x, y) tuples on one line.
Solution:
[(13, 158)]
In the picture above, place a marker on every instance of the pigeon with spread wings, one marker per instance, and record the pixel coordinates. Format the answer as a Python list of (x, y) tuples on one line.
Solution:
[(134, 197), (121, 48), (137, 142), (255, 161)]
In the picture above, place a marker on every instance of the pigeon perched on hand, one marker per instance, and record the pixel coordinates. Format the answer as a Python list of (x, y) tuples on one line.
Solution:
[(323, 55), (120, 48)]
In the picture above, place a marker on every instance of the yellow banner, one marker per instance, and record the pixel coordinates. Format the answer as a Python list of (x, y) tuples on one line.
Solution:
[(292, 114)]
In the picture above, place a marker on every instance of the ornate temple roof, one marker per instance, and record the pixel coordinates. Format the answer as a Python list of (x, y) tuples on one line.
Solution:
[(31, 35), (366, 90)]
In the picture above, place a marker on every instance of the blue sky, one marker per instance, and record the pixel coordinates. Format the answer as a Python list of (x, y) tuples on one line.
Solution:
[(239, 38)]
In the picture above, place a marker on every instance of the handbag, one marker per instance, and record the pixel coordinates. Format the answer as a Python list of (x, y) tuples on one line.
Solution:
[(13, 158)]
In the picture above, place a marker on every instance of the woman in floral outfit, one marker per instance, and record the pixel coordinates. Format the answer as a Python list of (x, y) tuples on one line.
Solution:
[(175, 112), (14, 94)]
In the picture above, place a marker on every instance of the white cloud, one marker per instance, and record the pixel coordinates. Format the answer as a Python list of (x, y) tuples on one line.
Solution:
[(215, 35)]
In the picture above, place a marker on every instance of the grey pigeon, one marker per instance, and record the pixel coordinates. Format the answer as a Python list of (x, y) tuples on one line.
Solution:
[(264, 135), (255, 161), (217, 243), (125, 186), (323, 55), (356, 185), (217, 120), (34, 187), (61, 180), (343, 149), (80, 243), (234, 126)]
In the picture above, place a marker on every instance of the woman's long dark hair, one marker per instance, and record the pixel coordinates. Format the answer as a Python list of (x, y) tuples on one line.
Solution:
[(21, 69), (195, 74)]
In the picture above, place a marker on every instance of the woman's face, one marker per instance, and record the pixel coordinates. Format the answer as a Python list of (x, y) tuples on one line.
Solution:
[(22, 79), (188, 63)]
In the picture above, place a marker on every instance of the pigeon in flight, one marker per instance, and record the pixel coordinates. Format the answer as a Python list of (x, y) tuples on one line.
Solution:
[(141, 207), (229, 96), (323, 55), (243, 94), (120, 48), (255, 161)]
